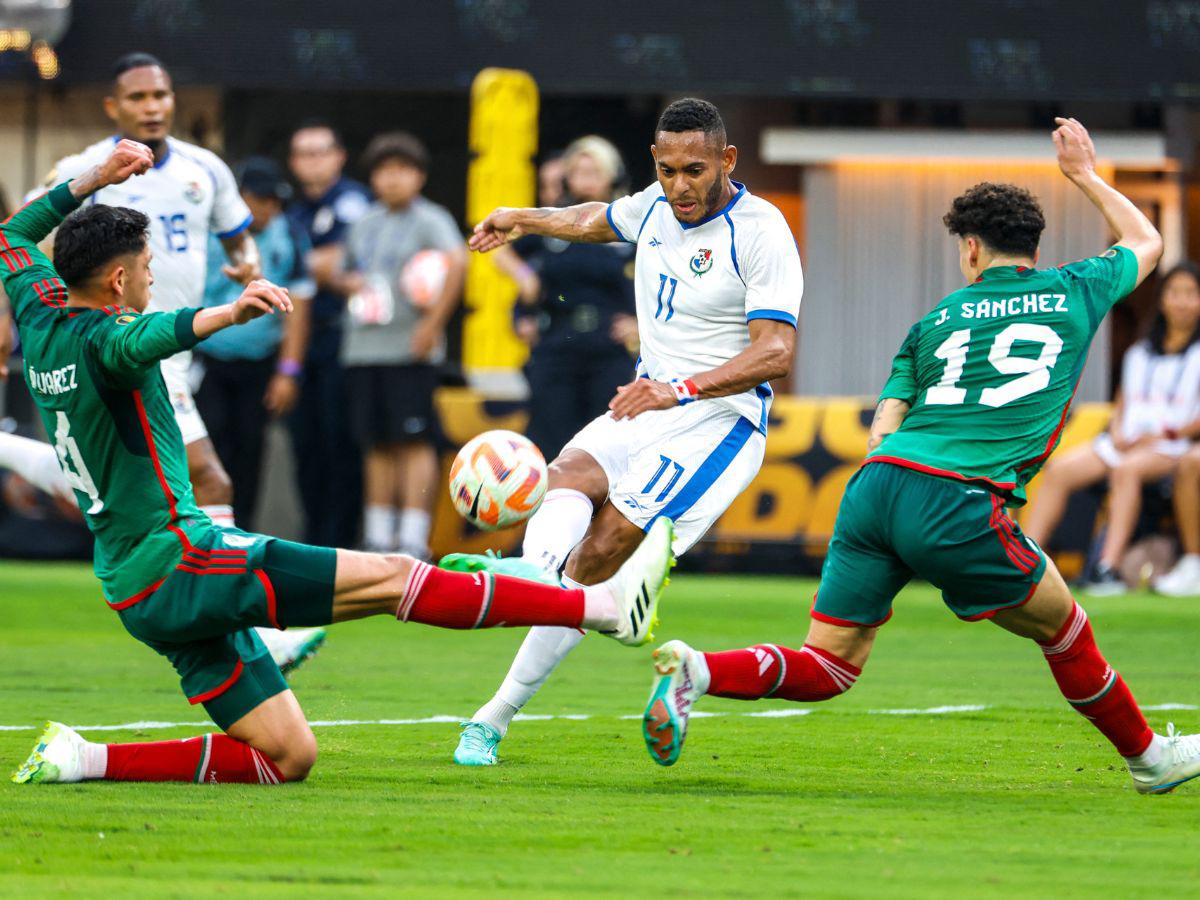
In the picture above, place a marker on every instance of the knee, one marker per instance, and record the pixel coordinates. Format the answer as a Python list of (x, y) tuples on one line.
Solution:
[(298, 758), (1189, 466), (1125, 474)]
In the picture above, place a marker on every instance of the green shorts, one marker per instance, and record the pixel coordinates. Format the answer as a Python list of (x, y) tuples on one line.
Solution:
[(202, 614), (896, 523)]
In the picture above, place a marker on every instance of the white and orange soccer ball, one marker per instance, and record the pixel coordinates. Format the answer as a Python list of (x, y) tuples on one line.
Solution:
[(498, 479), (424, 276)]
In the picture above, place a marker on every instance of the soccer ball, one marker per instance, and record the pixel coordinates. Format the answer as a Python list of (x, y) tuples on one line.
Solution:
[(498, 479), (424, 276)]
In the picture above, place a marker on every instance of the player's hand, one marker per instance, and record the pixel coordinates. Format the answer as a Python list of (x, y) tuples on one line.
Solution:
[(497, 229), (425, 338), (244, 272), (642, 395), (260, 298), (624, 331), (127, 159), (282, 393), (1076, 152)]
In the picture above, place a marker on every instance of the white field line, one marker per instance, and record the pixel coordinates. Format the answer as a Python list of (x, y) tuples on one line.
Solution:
[(570, 717)]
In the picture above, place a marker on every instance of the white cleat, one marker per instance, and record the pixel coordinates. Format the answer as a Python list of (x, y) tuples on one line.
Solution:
[(1181, 581), (292, 648), (56, 758), (638, 586), (1180, 762), (682, 680)]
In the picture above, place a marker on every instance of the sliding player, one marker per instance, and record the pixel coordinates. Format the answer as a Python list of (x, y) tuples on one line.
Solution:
[(189, 589), (718, 285), (975, 404), (189, 193)]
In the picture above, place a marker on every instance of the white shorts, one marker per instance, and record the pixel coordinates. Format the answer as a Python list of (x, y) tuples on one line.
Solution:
[(687, 463), (1109, 454), (175, 371)]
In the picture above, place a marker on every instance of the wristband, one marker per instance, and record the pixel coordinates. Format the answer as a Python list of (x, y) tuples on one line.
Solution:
[(685, 390), (289, 367)]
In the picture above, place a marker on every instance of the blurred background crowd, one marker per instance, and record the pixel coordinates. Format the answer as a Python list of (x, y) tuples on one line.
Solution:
[(366, 149)]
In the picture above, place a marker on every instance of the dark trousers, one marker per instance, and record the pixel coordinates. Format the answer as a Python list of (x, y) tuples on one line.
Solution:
[(328, 462), (230, 401), (568, 389)]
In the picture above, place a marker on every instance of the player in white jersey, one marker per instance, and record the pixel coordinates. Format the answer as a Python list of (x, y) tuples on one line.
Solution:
[(718, 284), (189, 194)]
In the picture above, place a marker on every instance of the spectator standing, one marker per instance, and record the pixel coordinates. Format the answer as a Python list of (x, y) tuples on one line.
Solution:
[(576, 308), (1156, 413), (394, 342), (247, 369), (328, 462)]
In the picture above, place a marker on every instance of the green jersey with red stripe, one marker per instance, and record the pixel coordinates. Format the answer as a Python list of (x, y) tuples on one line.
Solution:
[(95, 378), (990, 372)]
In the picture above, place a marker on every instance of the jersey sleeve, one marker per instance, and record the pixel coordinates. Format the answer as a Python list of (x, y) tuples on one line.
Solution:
[(230, 215), (129, 345), (1105, 279), (769, 263), (902, 383), (626, 215), (28, 274)]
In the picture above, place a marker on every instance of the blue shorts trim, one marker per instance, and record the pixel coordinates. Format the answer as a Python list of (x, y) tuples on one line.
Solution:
[(710, 470)]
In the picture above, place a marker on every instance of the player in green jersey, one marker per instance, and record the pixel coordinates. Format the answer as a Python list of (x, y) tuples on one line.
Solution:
[(975, 404), (191, 590)]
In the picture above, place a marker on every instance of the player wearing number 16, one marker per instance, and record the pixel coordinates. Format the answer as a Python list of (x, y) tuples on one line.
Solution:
[(975, 404)]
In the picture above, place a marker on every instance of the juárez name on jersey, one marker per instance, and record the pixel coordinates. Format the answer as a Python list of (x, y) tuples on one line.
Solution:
[(54, 382), (1015, 306)]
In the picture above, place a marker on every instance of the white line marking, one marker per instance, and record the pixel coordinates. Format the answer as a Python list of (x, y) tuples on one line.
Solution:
[(795, 712), (931, 711)]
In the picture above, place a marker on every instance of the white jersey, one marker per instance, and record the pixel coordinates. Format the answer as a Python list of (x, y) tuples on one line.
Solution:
[(698, 286), (188, 195)]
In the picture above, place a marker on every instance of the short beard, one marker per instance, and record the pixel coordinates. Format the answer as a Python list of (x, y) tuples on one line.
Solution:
[(714, 194)]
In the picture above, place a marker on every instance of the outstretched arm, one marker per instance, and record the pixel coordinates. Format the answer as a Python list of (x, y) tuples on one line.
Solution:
[(1077, 160), (135, 343), (582, 223)]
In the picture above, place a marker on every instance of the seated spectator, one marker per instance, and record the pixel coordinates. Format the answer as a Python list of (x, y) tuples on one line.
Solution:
[(1157, 411), (255, 367), (395, 341)]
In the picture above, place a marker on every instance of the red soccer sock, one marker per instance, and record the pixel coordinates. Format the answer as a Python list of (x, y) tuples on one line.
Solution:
[(211, 758), (434, 596), (1092, 686), (767, 670)]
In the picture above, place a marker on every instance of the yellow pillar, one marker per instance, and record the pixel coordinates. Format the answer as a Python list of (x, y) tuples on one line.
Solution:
[(503, 142)]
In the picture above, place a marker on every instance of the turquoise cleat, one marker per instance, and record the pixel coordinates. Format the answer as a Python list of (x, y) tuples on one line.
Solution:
[(512, 566), (477, 745)]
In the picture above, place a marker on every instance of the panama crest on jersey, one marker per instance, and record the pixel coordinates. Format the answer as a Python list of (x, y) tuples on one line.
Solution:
[(701, 262), (194, 192)]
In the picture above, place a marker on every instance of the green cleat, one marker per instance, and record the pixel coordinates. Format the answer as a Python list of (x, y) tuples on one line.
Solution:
[(57, 757), (477, 745), (681, 679), (512, 566)]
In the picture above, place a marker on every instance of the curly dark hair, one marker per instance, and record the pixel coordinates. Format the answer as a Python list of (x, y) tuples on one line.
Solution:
[(92, 237), (1007, 218), (395, 145), (692, 114)]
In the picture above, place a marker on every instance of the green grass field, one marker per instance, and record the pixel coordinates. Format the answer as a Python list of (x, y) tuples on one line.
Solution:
[(1021, 797)]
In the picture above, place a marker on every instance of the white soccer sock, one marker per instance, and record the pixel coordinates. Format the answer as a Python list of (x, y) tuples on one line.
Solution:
[(559, 524), (220, 513), (95, 760), (36, 462), (379, 527), (1148, 759), (542, 650), (412, 533)]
